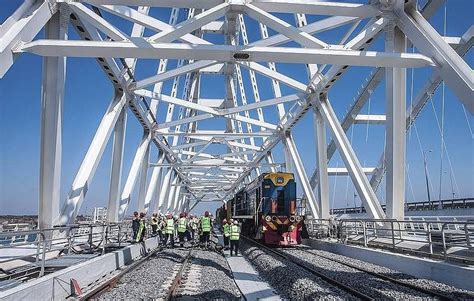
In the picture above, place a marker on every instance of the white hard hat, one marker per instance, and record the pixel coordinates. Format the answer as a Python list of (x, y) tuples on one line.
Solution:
[(236, 223)]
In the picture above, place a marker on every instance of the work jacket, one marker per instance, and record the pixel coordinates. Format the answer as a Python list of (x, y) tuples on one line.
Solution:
[(182, 225), (169, 226), (226, 230), (234, 232), (206, 224)]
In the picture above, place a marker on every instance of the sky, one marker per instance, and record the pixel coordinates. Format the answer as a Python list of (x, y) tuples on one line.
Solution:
[(88, 93)]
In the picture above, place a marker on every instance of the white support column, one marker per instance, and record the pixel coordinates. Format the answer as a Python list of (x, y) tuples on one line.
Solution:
[(361, 183), (52, 98), (143, 181), (322, 159), (162, 205), (86, 172), (288, 160), (116, 170), (171, 191), (133, 173), (151, 202), (395, 148), (290, 146)]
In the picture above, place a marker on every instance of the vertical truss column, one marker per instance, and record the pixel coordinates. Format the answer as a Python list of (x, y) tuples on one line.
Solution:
[(116, 170), (143, 180), (52, 98), (289, 145), (361, 183), (137, 163), (395, 148), (322, 159), (151, 201), (164, 190)]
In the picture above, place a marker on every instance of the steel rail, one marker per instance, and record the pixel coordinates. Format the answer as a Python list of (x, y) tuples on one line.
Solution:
[(177, 280), (323, 276), (385, 277)]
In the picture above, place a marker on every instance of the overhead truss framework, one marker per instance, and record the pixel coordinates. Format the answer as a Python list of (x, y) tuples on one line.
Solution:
[(239, 128)]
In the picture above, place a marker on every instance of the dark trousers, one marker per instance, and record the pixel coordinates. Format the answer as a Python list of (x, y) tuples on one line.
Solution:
[(192, 233), (234, 246), (170, 237), (205, 238), (226, 241), (153, 229), (181, 236)]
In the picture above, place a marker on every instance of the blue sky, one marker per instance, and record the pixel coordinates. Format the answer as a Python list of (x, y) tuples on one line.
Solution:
[(88, 93)]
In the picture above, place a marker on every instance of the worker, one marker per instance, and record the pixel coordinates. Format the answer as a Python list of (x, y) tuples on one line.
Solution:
[(226, 228), (154, 224), (141, 228), (135, 225), (193, 226), (182, 225), (206, 229), (234, 238), (169, 231)]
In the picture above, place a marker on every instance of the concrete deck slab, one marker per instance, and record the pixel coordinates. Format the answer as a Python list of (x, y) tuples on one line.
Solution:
[(247, 279)]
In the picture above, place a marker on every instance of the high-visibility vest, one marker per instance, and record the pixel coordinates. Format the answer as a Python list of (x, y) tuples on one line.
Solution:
[(194, 224), (206, 224), (234, 232), (182, 225), (141, 227), (169, 226), (226, 230)]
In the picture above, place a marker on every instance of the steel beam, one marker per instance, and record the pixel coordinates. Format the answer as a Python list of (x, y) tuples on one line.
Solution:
[(395, 148), (116, 170), (289, 144), (52, 99), (361, 183), (141, 48), (137, 163), (322, 166)]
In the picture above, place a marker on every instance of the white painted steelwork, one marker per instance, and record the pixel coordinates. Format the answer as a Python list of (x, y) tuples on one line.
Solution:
[(188, 169)]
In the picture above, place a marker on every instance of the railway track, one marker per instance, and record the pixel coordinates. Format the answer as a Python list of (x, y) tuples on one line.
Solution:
[(112, 282), (341, 284), (399, 282)]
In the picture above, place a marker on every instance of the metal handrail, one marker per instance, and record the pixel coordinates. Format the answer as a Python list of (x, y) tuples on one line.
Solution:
[(64, 239), (366, 231)]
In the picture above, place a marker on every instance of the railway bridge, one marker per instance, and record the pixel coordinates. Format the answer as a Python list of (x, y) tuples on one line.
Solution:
[(340, 128)]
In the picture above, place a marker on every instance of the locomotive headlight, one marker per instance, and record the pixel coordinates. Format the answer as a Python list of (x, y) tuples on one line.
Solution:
[(274, 218), (299, 218), (268, 218), (292, 219)]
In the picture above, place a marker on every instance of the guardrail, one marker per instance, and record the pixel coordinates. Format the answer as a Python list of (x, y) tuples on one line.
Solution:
[(448, 240), (460, 203), (77, 238)]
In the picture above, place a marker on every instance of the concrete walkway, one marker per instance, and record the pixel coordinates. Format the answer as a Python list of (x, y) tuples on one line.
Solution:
[(247, 279)]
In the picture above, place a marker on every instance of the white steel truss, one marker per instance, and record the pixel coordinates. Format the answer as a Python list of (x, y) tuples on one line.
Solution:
[(210, 147)]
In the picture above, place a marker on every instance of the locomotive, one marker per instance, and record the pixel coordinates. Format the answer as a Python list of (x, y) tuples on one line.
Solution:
[(269, 209)]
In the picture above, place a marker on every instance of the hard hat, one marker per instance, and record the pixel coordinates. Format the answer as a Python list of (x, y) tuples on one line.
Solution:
[(224, 220), (231, 220), (236, 222)]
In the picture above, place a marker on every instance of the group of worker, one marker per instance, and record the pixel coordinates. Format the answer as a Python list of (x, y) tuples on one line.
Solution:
[(231, 231), (167, 227)]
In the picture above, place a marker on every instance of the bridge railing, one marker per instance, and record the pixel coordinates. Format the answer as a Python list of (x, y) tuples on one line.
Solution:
[(451, 204), (40, 245), (448, 240)]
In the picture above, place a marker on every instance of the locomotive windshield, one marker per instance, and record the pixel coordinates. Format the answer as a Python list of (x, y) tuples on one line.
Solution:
[(278, 195)]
